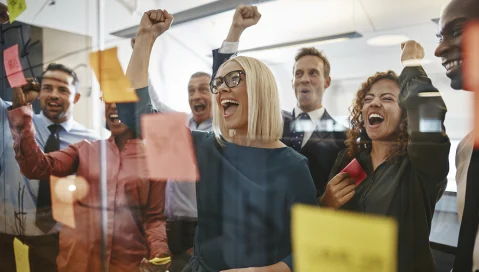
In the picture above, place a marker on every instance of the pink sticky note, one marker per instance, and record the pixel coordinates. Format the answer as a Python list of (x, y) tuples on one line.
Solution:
[(169, 147), (13, 67), (355, 170)]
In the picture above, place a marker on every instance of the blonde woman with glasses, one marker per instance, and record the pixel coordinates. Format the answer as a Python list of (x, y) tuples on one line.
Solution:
[(249, 180)]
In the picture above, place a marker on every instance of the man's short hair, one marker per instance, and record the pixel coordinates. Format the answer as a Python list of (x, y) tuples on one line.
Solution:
[(200, 74), (62, 68), (311, 51)]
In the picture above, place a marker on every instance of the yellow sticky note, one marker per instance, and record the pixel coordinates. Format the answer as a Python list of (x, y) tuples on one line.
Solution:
[(327, 240), (15, 8), (160, 261), (21, 256), (113, 82)]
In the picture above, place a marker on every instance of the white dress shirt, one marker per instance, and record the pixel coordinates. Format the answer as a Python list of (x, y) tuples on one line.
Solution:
[(315, 117), (463, 159)]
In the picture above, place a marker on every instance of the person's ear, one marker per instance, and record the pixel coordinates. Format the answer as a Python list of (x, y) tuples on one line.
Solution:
[(77, 97), (327, 82)]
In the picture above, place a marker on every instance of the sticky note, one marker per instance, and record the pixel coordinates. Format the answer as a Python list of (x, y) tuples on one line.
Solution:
[(63, 195), (21, 256), (331, 240), (355, 170), (160, 261), (115, 86), (13, 67), (470, 70), (15, 8), (169, 147)]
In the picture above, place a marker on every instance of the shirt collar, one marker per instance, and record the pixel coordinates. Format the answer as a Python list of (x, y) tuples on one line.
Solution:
[(314, 115), (192, 123), (67, 125)]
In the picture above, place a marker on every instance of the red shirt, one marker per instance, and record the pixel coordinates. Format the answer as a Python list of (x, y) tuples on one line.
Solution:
[(135, 204)]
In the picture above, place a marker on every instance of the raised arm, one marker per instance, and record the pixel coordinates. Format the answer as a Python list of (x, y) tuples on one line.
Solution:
[(244, 17), (152, 25), (429, 145), (33, 163)]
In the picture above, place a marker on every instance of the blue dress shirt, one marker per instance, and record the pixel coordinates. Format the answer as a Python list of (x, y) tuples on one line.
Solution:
[(18, 195)]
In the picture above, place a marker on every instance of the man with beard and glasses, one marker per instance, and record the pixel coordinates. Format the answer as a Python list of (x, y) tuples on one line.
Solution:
[(454, 18), (26, 204), (308, 128)]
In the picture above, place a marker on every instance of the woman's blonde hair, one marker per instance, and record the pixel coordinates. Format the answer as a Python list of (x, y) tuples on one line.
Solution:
[(264, 113)]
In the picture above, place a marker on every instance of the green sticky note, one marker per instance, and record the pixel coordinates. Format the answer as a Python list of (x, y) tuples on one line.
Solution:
[(15, 8), (21, 256)]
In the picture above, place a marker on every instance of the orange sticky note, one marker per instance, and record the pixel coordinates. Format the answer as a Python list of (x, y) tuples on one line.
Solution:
[(15, 8), (13, 67), (65, 192), (169, 147), (115, 86), (471, 70)]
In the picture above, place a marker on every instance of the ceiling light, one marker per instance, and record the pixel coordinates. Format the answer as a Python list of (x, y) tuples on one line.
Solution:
[(308, 42), (387, 40), (415, 62)]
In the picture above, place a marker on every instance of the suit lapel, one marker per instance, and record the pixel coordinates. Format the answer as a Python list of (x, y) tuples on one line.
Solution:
[(323, 127)]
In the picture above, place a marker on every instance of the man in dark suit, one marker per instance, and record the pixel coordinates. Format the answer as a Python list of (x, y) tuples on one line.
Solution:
[(309, 128)]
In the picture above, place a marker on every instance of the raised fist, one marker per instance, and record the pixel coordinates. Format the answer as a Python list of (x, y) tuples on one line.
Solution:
[(155, 23), (412, 53), (25, 94), (245, 16)]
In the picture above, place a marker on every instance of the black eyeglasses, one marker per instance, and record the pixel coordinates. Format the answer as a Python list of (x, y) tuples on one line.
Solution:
[(231, 79)]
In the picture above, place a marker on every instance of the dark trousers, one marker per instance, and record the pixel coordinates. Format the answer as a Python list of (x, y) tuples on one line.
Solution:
[(180, 239), (42, 252)]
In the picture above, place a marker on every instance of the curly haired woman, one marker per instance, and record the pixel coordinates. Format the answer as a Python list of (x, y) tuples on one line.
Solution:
[(405, 161)]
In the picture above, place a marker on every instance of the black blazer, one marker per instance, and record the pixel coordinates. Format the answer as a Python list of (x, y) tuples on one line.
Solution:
[(322, 148)]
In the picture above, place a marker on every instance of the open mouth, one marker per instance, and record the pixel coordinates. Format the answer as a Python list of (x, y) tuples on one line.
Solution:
[(54, 105), (375, 119), (304, 91), (229, 106), (452, 65), (114, 118), (199, 108)]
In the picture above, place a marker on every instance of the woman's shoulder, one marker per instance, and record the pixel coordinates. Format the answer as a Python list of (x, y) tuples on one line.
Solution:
[(202, 137)]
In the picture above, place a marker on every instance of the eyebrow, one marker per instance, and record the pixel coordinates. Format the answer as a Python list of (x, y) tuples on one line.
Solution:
[(201, 85), (449, 24), (370, 94), (56, 79)]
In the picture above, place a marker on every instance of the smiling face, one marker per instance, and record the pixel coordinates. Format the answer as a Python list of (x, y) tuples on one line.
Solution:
[(233, 102), (199, 97), (114, 124), (381, 112), (453, 20), (57, 96), (310, 82)]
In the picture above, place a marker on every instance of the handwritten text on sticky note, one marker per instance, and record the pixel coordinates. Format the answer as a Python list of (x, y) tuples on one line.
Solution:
[(15, 8), (21, 256), (327, 240), (113, 82), (13, 67), (169, 147)]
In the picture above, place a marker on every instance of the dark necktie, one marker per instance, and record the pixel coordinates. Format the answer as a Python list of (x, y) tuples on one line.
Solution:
[(470, 218), (297, 136), (44, 218)]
